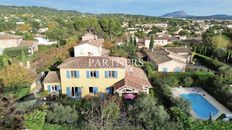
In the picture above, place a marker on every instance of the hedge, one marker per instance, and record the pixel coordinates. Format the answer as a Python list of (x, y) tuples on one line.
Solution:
[(209, 62), (15, 51), (198, 76)]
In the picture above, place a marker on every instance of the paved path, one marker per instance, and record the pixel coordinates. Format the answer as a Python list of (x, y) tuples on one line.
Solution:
[(38, 87)]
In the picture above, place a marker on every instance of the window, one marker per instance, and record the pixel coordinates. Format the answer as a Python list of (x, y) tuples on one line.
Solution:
[(165, 69), (178, 69), (109, 90), (90, 54), (54, 88), (111, 74), (93, 90), (74, 74), (93, 74), (75, 91)]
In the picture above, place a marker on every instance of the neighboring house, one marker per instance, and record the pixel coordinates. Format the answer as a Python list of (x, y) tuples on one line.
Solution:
[(158, 41), (42, 40), (52, 81), (169, 59), (120, 42), (181, 37), (88, 76), (8, 41), (89, 48), (43, 30), (20, 23), (89, 36), (31, 45)]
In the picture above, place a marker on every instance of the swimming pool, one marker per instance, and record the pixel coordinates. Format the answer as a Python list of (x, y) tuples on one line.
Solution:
[(200, 106)]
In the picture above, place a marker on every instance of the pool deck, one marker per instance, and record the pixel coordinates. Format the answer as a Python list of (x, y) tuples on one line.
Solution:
[(221, 109)]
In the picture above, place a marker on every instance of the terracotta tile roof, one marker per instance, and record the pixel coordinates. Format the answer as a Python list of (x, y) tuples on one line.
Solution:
[(135, 78), (158, 56), (9, 36), (96, 43), (178, 49), (52, 77), (94, 62), (158, 38), (89, 34), (27, 43)]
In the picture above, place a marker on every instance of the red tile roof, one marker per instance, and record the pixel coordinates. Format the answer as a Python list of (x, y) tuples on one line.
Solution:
[(52, 77), (9, 36), (135, 78), (97, 42), (94, 62), (27, 43)]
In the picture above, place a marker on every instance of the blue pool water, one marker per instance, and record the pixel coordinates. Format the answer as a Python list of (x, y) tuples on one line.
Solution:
[(201, 107)]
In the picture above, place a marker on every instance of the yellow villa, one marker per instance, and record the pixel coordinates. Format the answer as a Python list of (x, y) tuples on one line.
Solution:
[(90, 75)]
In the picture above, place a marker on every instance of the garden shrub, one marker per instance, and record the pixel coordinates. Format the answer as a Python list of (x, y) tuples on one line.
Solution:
[(15, 51), (35, 120)]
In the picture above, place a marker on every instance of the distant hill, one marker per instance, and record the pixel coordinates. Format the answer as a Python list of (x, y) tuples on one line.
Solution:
[(182, 14), (177, 14)]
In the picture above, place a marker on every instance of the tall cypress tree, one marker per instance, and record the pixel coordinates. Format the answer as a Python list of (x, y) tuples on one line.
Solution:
[(135, 43), (131, 40), (151, 45)]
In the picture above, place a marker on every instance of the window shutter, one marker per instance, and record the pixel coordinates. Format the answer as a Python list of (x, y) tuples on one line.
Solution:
[(77, 74), (68, 74), (87, 74), (58, 88), (95, 90), (97, 74), (68, 91), (79, 91), (49, 88), (116, 74), (109, 90), (106, 74)]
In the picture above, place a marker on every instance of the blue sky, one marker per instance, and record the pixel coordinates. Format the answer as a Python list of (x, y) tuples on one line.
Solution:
[(146, 7)]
